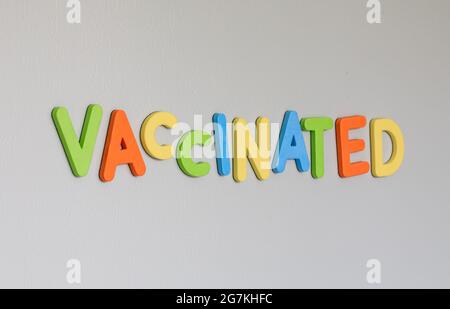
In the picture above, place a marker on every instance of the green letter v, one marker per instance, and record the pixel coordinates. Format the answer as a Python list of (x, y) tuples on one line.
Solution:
[(79, 152)]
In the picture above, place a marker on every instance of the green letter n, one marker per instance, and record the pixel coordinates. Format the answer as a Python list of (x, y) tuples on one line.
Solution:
[(79, 152)]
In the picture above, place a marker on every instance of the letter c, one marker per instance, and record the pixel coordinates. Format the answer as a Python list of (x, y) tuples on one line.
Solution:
[(148, 130)]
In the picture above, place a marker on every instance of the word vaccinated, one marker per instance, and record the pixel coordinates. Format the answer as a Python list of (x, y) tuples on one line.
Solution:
[(121, 147)]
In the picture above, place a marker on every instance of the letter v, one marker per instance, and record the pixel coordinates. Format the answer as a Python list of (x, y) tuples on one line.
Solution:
[(79, 152)]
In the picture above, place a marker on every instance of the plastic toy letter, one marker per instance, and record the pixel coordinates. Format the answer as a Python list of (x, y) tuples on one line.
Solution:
[(346, 146), (317, 127), (221, 145), (184, 158), (291, 145), (78, 151), (148, 140), (120, 148), (245, 147), (379, 167)]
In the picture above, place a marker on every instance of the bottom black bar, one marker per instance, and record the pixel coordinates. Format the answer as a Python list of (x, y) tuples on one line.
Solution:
[(222, 298)]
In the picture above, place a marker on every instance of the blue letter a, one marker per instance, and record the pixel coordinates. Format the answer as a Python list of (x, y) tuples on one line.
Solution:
[(291, 145)]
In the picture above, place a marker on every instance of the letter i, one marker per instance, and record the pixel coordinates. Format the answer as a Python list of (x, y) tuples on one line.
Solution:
[(221, 145)]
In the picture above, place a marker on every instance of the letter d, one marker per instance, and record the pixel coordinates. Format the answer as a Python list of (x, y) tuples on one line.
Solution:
[(377, 128)]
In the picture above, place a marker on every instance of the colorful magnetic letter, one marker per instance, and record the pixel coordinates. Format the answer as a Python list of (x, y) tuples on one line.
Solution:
[(245, 147), (78, 151), (120, 148), (291, 145), (346, 146), (317, 127), (184, 158), (148, 129), (379, 167), (221, 145)]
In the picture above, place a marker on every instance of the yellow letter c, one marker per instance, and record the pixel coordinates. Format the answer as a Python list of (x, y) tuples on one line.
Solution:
[(148, 139)]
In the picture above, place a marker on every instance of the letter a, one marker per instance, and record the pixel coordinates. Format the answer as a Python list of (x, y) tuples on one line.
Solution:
[(120, 148), (74, 14), (374, 14)]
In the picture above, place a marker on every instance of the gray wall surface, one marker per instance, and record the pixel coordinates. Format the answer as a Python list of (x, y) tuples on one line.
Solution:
[(244, 58)]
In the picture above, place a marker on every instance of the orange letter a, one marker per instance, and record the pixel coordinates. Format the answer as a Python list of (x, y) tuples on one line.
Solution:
[(120, 148)]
